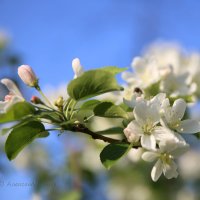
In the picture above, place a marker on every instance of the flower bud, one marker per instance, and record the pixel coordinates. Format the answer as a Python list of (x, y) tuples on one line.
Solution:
[(131, 137), (59, 102), (77, 68), (27, 75), (36, 100)]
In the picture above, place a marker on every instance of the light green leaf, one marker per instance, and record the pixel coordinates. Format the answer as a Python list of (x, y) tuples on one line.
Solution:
[(113, 69), (90, 104), (108, 109), (92, 83), (17, 112), (112, 153), (22, 136)]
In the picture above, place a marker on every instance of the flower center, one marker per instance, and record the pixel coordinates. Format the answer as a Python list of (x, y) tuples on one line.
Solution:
[(166, 158), (148, 128)]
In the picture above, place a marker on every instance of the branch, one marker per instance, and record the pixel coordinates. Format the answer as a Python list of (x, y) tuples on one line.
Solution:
[(81, 128)]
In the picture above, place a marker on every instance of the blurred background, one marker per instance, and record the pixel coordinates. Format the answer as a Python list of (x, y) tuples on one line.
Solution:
[(47, 35)]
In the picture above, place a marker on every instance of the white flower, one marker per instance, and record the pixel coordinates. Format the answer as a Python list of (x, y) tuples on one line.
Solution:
[(145, 73), (27, 75), (76, 66), (145, 126), (177, 85), (172, 117), (13, 97), (165, 155)]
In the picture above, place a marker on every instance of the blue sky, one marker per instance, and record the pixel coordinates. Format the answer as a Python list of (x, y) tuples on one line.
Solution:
[(49, 34)]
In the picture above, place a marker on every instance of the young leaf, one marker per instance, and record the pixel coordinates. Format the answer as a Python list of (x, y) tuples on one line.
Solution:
[(17, 112), (92, 83), (114, 70), (22, 136), (108, 109), (112, 153)]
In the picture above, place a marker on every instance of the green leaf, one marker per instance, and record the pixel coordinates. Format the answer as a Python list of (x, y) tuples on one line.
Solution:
[(89, 105), (17, 112), (112, 153), (113, 130), (108, 109), (92, 83), (113, 69), (22, 136), (86, 110)]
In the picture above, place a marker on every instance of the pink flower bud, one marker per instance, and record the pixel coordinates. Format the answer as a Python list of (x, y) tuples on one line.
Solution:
[(36, 100), (27, 75)]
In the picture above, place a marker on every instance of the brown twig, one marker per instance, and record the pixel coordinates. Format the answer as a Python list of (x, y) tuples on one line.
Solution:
[(81, 128)]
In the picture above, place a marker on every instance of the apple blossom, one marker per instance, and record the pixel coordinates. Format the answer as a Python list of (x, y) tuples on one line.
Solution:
[(172, 117), (12, 97), (145, 125), (165, 155)]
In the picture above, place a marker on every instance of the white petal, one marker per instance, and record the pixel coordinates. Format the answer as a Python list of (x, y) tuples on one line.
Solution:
[(156, 171), (178, 109), (135, 128), (162, 133), (11, 86), (140, 112), (149, 156), (168, 145), (159, 98), (170, 170), (148, 142), (189, 126), (180, 149)]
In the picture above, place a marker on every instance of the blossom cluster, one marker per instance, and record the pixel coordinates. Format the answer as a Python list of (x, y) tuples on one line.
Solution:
[(153, 108), (157, 125)]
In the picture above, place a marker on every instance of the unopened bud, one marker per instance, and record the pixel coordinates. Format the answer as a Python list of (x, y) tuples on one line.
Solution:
[(36, 100), (59, 102), (77, 68), (131, 137), (27, 75)]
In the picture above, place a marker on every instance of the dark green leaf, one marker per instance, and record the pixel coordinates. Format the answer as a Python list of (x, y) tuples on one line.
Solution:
[(17, 112), (92, 83), (22, 136), (112, 153), (113, 130), (108, 109)]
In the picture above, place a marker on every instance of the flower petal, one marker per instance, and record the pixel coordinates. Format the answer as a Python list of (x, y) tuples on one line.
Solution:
[(11, 87), (148, 142), (178, 109), (189, 126), (140, 112), (162, 133), (169, 170), (149, 156), (156, 171)]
